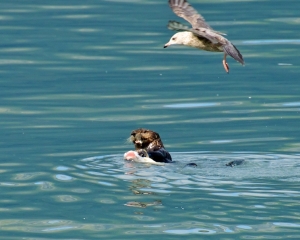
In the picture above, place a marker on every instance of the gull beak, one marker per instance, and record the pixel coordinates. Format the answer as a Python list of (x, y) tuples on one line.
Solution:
[(166, 45)]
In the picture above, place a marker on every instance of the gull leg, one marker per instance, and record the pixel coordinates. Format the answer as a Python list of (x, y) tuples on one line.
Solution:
[(225, 64)]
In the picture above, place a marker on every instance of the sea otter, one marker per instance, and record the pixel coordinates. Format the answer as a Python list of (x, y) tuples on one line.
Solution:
[(151, 142), (149, 148)]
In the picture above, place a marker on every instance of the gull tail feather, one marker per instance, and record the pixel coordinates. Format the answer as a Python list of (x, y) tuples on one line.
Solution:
[(232, 51)]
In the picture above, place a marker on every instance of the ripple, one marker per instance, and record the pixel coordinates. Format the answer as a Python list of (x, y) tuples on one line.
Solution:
[(244, 227), (45, 185), (284, 224), (259, 206), (201, 105), (63, 177), (271, 41), (97, 173), (190, 231), (57, 229), (19, 49), (106, 183), (66, 198), (211, 170), (107, 201), (155, 190), (192, 105), (8, 184), (26, 176), (62, 168), (19, 62), (287, 104), (76, 16), (65, 7), (88, 57), (161, 185)]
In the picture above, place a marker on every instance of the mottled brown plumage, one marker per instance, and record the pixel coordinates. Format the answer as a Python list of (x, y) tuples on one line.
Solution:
[(201, 35)]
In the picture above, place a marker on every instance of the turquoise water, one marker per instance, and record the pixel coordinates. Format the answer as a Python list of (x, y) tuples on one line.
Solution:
[(77, 78)]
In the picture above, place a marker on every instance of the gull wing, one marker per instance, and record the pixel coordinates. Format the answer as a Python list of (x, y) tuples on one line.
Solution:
[(177, 26), (183, 9), (217, 39)]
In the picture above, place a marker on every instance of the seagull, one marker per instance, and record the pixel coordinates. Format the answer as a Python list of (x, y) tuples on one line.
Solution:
[(201, 35)]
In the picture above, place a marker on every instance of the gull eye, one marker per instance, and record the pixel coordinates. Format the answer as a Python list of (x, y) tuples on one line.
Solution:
[(173, 38)]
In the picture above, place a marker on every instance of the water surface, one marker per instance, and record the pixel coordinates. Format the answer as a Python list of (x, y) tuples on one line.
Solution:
[(77, 78)]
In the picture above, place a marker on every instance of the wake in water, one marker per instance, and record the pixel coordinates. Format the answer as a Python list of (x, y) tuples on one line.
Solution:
[(214, 165)]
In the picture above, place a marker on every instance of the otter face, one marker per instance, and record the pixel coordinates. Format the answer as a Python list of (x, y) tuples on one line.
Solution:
[(144, 139)]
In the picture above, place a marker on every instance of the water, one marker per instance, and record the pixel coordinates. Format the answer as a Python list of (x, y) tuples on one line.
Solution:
[(77, 77)]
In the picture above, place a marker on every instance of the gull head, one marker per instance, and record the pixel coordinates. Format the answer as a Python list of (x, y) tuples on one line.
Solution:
[(182, 38)]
